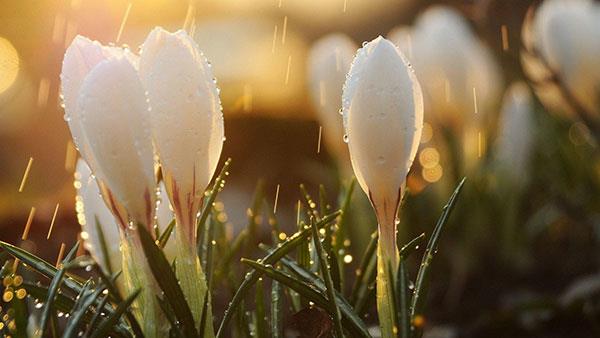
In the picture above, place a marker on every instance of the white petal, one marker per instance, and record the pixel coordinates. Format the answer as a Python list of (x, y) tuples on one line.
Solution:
[(383, 110), (95, 209), (187, 121), (328, 63), (114, 119)]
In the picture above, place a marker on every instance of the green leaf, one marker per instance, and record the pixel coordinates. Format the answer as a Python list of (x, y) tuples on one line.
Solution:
[(422, 281), (164, 237), (204, 316), (40, 265), (276, 309), (175, 329), (360, 283), (261, 314), (324, 264), (96, 317), (84, 303), (105, 326), (312, 293), (52, 291), (411, 246), (165, 277), (103, 246), (403, 299), (251, 277), (208, 202)]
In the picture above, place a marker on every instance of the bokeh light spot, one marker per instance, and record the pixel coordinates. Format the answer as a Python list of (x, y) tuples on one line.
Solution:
[(9, 64)]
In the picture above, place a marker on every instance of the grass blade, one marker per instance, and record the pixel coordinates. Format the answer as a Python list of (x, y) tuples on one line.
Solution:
[(421, 284), (324, 264), (165, 277), (276, 309), (261, 315), (403, 299), (251, 277), (411, 246), (312, 293), (164, 237), (366, 259), (52, 291), (106, 325), (72, 328), (208, 202)]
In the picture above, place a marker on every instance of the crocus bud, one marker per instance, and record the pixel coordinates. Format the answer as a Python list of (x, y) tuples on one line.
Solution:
[(383, 118), (516, 133), (114, 119), (80, 58), (566, 34), (186, 118), (94, 216), (188, 132), (328, 63), (459, 74)]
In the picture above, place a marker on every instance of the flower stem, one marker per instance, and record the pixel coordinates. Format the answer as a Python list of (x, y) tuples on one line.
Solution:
[(137, 274), (192, 280), (387, 265)]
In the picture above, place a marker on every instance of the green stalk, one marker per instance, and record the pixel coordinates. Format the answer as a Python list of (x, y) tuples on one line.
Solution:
[(192, 279), (387, 265), (139, 277)]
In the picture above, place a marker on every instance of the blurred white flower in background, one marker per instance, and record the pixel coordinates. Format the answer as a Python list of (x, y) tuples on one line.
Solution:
[(566, 35), (328, 63), (458, 72), (516, 134)]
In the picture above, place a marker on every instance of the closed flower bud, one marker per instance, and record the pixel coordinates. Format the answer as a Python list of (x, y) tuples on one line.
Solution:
[(186, 119), (566, 34), (383, 117), (328, 63), (458, 73), (113, 116), (516, 133), (188, 132)]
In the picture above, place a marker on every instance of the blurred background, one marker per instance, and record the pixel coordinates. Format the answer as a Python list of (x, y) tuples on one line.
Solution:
[(524, 237)]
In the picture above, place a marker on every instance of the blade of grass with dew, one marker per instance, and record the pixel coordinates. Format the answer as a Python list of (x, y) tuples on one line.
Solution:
[(411, 246), (276, 310), (324, 263), (421, 284), (311, 210), (341, 234), (40, 265), (210, 199), (96, 317), (367, 287), (105, 326), (48, 305), (115, 296), (366, 259), (164, 237), (291, 243), (175, 328), (261, 313), (75, 320), (165, 277), (353, 323)]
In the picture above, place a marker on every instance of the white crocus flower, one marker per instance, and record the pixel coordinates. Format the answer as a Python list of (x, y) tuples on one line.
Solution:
[(328, 63), (453, 66), (566, 34), (188, 132), (516, 133), (107, 111), (383, 119)]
